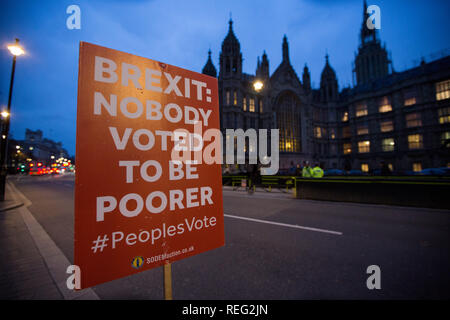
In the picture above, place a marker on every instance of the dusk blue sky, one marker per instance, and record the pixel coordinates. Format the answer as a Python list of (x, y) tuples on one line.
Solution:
[(181, 32)]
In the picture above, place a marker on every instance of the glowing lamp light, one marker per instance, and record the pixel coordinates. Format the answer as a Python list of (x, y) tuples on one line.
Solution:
[(4, 114), (258, 85), (16, 50)]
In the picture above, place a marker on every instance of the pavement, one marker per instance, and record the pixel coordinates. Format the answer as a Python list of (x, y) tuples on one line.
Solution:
[(277, 247), (9, 204), (32, 265)]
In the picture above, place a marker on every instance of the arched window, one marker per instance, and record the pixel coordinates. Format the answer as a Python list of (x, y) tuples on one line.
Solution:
[(288, 122)]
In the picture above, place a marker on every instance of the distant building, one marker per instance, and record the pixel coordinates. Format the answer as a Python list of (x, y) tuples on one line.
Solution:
[(34, 148), (399, 119)]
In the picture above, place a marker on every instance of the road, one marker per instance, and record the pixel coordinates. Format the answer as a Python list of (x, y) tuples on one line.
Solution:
[(282, 248)]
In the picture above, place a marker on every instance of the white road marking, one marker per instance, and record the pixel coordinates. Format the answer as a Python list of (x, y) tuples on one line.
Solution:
[(295, 226)]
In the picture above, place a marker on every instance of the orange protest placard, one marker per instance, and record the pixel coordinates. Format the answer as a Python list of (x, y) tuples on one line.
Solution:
[(144, 194)]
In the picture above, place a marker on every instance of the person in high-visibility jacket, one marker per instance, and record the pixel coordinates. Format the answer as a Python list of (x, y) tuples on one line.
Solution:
[(317, 172), (306, 171)]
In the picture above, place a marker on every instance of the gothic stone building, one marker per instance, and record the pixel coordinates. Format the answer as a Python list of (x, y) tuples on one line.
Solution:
[(401, 119)]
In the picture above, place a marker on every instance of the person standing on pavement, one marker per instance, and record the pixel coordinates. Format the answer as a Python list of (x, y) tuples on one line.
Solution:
[(317, 171), (306, 171)]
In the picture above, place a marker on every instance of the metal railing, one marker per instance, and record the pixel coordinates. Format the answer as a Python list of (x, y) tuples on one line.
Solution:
[(267, 183)]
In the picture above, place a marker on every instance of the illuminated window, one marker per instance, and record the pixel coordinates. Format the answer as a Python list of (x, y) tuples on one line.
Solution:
[(413, 120), (252, 105), (244, 104), (388, 144), (288, 122), (361, 109), (417, 166), (415, 141), (391, 167), (386, 126), (235, 97), (227, 97), (364, 167), (288, 146), (384, 105), (318, 132), (444, 115), (445, 139), (443, 90), (344, 117), (347, 148), (260, 106), (362, 129), (409, 97), (364, 146), (332, 134)]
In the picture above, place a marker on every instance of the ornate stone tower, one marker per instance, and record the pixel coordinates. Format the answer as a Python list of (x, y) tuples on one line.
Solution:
[(231, 89), (231, 56), (328, 83), (209, 68), (306, 79), (285, 50), (262, 69), (371, 61)]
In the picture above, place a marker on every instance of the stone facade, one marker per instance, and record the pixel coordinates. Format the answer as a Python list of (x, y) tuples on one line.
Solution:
[(397, 119)]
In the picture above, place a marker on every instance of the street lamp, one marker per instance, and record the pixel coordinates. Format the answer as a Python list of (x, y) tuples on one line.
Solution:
[(16, 51), (258, 85), (4, 114)]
